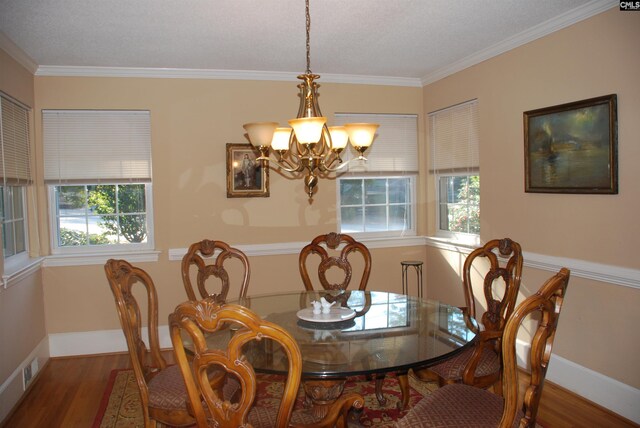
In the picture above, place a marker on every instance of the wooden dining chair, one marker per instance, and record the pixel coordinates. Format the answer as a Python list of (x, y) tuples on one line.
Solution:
[(328, 262), (480, 365), (460, 405), (162, 390), (213, 408), (219, 252)]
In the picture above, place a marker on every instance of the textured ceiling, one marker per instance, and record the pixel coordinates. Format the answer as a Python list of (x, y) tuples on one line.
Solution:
[(391, 38)]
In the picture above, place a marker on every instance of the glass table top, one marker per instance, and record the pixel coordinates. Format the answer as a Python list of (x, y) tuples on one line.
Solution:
[(390, 332)]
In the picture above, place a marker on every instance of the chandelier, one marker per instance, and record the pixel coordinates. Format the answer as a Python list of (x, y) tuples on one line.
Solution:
[(313, 148)]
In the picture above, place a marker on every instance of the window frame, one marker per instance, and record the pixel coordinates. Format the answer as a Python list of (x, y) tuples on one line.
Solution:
[(81, 250), (412, 231)]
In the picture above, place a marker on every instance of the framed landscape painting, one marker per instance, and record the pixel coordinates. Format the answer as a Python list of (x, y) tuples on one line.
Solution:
[(572, 148), (246, 176)]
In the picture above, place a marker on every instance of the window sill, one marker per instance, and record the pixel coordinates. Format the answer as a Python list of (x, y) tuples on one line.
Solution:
[(14, 273), (100, 258)]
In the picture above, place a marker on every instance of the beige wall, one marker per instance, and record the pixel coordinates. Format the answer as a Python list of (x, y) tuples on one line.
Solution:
[(596, 57), (15, 80), (192, 120), (22, 304)]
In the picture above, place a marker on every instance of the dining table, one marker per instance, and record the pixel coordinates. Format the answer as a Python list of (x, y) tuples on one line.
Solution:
[(372, 333)]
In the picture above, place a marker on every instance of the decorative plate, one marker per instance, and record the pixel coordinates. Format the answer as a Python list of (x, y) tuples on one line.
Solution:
[(334, 315)]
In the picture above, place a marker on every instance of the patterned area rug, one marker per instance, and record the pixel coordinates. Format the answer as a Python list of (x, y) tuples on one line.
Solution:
[(120, 406)]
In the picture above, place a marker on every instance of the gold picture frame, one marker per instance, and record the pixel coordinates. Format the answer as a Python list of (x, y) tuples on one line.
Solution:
[(573, 147), (246, 177)]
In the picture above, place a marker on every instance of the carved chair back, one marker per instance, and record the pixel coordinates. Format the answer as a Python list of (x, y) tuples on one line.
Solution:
[(499, 305), (327, 262), (219, 252), (201, 318), (545, 306)]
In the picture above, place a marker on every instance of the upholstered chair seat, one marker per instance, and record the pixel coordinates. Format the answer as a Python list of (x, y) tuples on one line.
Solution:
[(457, 405), (453, 368), (167, 389), (265, 417)]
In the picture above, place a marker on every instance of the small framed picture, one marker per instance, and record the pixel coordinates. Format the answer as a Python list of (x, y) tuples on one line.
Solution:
[(246, 177), (572, 148)]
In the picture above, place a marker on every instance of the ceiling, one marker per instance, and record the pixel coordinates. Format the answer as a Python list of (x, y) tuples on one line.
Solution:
[(408, 42)]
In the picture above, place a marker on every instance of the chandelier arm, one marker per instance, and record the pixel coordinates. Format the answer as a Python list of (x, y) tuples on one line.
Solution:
[(282, 164), (328, 168)]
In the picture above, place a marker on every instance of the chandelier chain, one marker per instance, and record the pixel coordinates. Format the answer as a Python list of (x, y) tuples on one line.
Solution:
[(308, 29)]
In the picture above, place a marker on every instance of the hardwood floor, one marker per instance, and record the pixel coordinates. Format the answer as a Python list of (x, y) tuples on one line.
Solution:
[(67, 392)]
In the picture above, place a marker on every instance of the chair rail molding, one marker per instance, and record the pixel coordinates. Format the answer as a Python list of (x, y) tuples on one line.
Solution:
[(282, 248), (609, 274)]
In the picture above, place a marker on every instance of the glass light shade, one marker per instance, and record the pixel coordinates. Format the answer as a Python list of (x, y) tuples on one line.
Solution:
[(308, 129), (281, 139), (339, 137), (260, 133), (361, 134)]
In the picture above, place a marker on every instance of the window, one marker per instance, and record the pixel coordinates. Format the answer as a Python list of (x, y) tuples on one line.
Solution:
[(98, 172), (102, 214), (378, 196), (15, 169), (459, 203), (14, 227), (456, 168), (376, 204)]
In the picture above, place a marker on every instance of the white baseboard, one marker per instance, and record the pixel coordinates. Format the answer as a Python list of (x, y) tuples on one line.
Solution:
[(98, 342), (12, 388), (605, 391), (614, 395)]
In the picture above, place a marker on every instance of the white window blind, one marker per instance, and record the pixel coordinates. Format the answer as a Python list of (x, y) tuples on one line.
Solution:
[(395, 147), (455, 138), (96, 145), (15, 153)]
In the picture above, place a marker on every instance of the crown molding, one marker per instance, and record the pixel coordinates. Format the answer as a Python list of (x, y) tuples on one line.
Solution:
[(178, 73), (552, 25), (14, 51)]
